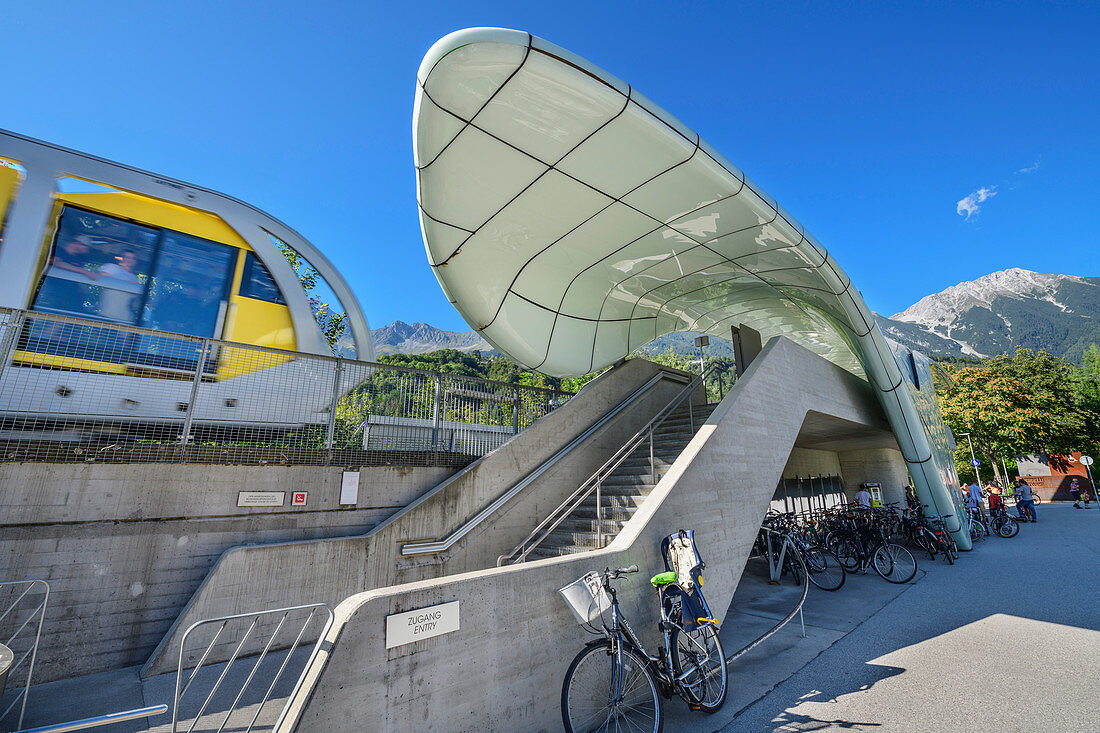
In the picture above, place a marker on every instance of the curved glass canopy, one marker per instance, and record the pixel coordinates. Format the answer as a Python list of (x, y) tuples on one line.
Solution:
[(570, 220)]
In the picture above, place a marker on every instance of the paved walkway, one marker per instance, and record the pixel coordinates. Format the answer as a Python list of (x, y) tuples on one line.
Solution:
[(1006, 640)]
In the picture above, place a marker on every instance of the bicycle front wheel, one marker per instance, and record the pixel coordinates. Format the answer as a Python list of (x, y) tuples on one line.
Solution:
[(608, 692), (700, 664), (825, 573), (894, 563)]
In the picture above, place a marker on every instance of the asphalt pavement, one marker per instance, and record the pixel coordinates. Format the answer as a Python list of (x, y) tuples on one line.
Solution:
[(1007, 639)]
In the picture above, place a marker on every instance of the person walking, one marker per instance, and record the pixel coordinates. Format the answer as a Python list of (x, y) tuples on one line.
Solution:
[(1025, 501)]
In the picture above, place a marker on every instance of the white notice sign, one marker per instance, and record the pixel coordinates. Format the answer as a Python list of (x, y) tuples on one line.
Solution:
[(260, 498), (349, 488), (404, 628)]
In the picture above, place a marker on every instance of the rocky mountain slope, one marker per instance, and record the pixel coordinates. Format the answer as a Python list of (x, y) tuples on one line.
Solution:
[(1000, 311), (991, 315)]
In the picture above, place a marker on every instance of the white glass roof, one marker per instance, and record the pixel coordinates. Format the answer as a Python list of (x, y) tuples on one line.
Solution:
[(571, 221)]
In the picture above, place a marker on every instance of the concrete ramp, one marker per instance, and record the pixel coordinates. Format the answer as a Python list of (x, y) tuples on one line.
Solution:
[(502, 669)]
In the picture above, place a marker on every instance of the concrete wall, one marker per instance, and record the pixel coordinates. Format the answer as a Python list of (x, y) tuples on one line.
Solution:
[(125, 546), (503, 669), (881, 465), (810, 462), (272, 576)]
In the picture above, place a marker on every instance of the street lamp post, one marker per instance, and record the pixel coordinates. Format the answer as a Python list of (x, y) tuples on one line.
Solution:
[(973, 460)]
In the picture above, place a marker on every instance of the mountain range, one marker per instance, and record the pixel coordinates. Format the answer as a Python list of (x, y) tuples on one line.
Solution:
[(985, 317)]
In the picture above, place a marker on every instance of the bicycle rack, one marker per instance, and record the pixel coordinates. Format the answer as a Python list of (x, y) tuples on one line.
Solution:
[(39, 611), (797, 610)]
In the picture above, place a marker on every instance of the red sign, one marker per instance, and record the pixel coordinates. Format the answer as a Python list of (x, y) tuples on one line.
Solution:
[(298, 498)]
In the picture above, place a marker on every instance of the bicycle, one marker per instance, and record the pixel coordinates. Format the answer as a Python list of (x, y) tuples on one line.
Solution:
[(615, 684), (824, 569), (861, 545)]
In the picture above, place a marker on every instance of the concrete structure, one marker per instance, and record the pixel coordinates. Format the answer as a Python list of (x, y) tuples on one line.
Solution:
[(276, 575), (571, 221), (125, 546), (502, 670)]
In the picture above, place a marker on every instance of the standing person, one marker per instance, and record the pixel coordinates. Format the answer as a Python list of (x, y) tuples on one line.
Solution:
[(911, 499), (1075, 492), (1026, 501), (996, 503), (863, 497)]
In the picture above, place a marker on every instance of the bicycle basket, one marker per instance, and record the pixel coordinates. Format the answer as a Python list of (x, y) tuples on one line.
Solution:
[(586, 597)]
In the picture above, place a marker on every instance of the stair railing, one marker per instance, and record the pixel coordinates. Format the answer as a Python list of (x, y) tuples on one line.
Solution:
[(434, 547), (594, 484)]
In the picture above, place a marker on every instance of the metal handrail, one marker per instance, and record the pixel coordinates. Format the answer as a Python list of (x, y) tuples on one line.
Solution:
[(182, 687), (595, 481), (100, 720), (32, 653), (442, 545)]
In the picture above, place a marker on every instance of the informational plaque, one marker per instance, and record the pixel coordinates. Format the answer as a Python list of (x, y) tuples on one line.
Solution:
[(424, 623), (349, 488), (260, 498)]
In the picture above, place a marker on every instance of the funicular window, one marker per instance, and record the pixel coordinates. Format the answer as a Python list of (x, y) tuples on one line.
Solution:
[(106, 269), (256, 281)]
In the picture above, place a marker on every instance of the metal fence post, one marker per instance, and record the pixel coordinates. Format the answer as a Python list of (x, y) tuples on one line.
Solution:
[(10, 338), (599, 515), (652, 463), (437, 416), (199, 366), (515, 411), (329, 437)]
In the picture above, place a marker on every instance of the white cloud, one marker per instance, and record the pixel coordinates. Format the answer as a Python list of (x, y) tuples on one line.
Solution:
[(969, 206), (1031, 168)]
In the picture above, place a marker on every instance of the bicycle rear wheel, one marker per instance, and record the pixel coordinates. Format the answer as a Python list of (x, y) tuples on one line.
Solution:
[(847, 553), (600, 694), (1007, 528), (697, 656), (825, 573), (902, 565)]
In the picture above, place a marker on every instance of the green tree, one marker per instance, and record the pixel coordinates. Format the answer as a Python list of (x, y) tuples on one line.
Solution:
[(331, 321), (1088, 392), (1011, 405)]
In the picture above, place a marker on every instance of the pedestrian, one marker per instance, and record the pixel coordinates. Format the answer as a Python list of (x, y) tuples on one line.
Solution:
[(1085, 497), (1025, 501), (973, 502), (1075, 492), (911, 497), (863, 497), (996, 503)]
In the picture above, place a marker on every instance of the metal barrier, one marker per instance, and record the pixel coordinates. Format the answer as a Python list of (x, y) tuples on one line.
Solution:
[(249, 644), (79, 390), (23, 593), (99, 721)]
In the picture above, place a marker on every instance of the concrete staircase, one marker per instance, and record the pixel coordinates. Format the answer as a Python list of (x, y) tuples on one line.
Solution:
[(624, 490)]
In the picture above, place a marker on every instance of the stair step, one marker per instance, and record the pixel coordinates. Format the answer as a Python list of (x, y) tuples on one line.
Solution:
[(631, 500), (617, 513), (578, 525), (565, 538)]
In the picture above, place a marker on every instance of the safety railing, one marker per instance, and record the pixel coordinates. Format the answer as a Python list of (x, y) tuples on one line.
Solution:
[(99, 721), (442, 545), (79, 390), (21, 629), (594, 484), (273, 639)]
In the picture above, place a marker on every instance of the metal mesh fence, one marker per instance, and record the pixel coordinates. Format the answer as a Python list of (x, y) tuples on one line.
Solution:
[(78, 390)]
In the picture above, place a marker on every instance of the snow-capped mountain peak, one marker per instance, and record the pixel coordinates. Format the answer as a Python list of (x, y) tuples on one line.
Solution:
[(949, 313)]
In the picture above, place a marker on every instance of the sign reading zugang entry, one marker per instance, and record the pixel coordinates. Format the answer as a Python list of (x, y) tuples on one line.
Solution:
[(423, 623)]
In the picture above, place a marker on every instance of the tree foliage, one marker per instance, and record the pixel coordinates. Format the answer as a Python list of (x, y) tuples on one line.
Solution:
[(330, 320), (1030, 402)]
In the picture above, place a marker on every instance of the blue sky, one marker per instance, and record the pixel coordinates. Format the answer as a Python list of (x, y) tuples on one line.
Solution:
[(878, 126)]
